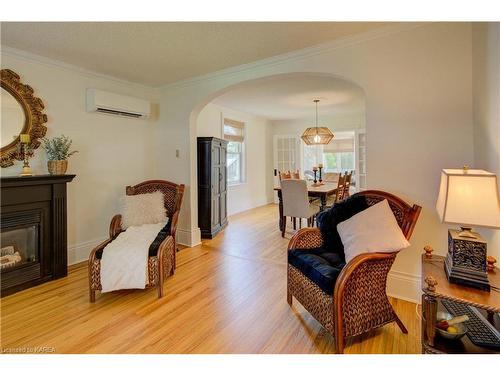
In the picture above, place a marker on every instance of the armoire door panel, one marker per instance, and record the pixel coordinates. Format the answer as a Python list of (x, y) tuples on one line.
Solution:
[(223, 179), (223, 208), (212, 197)]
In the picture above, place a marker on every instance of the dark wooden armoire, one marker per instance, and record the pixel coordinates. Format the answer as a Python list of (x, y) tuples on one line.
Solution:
[(212, 186)]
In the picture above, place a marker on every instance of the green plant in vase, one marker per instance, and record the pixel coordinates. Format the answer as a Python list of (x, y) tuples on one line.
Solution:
[(58, 151)]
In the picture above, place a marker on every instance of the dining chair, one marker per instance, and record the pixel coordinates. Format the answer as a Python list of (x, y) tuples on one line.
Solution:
[(296, 203), (285, 175), (347, 185)]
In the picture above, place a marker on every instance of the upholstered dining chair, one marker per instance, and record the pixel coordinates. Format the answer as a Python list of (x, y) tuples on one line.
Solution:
[(285, 175), (162, 262), (296, 202), (347, 299)]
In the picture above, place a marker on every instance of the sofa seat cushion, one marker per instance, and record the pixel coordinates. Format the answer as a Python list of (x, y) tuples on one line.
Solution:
[(321, 266)]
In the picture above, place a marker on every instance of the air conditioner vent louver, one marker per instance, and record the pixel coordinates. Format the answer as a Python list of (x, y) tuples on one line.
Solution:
[(118, 113), (117, 105)]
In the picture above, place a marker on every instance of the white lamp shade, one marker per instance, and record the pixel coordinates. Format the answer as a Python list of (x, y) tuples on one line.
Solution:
[(469, 198)]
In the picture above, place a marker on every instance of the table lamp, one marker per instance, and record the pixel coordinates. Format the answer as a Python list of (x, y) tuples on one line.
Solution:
[(468, 197)]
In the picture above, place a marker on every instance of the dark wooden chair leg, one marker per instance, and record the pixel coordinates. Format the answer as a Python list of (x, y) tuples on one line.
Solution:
[(283, 229), (92, 295), (401, 325), (294, 223), (160, 277)]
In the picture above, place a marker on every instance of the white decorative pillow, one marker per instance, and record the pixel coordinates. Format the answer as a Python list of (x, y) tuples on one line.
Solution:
[(143, 209), (374, 230)]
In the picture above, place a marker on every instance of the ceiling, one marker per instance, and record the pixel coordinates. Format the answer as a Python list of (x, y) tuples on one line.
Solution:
[(287, 97), (158, 53)]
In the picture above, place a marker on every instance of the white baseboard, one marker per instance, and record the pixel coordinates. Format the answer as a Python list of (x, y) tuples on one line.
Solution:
[(405, 286), (188, 237), (80, 252)]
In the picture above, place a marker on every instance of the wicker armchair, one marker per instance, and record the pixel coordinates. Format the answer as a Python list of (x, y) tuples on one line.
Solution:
[(359, 302), (159, 265)]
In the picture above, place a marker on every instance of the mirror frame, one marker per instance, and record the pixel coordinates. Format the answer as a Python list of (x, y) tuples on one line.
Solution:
[(34, 118)]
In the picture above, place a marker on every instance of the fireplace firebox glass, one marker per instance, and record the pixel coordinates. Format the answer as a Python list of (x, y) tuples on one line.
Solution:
[(19, 246)]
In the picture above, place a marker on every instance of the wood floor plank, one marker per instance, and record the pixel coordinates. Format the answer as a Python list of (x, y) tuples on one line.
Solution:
[(228, 295)]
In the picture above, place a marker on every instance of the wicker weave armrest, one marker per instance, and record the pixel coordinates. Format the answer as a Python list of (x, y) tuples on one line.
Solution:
[(360, 297), (306, 238)]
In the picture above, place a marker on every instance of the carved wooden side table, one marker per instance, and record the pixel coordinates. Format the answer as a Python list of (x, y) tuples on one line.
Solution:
[(435, 287)]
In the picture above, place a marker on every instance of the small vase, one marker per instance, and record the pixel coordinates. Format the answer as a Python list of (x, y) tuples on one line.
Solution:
[(57, 166)]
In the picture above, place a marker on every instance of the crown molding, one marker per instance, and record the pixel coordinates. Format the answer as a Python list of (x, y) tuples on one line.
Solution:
[(298, 54), (31, 57)]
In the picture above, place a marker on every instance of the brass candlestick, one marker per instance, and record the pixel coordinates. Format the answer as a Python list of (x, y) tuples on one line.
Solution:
[(26, 152)]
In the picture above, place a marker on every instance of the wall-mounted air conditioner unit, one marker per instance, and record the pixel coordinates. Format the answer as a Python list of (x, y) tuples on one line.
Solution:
[(118, 105)]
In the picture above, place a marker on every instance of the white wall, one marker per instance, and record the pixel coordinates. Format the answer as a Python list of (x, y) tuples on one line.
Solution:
[(486, 78), (336, 123), (113, 152), (418, 87), (255, 190)]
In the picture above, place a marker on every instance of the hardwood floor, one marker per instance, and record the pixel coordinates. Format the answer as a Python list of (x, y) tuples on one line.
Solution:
[(228, 295)]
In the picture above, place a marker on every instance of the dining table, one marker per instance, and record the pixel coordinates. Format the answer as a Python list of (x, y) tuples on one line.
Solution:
[(314, 190)]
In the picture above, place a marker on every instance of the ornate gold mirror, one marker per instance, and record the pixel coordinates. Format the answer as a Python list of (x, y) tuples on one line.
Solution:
[(21, 113)]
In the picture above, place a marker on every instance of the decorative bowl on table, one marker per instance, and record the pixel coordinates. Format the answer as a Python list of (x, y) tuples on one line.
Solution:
[(461, 328)]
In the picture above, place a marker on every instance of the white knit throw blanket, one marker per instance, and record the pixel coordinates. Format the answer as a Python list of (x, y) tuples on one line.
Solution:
[(124, 262)]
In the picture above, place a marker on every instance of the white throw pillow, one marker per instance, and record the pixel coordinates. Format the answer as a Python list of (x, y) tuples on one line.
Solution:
[(143, 209), (374, 230)]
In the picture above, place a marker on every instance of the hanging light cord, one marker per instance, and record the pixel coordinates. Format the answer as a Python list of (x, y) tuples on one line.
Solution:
[(316, 101)]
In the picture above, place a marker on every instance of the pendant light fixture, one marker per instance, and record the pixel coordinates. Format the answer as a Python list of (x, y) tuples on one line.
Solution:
[(317, 135)]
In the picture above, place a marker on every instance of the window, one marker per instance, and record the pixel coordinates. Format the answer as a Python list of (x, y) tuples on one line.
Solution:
[(338, 161), (234, 134), (337, 156)]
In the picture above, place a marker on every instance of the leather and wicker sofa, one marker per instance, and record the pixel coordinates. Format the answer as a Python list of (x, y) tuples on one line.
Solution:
[(347, 299), (162, 252)]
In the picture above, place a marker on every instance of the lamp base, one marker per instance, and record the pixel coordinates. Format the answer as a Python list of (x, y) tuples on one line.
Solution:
[(465, 262), (26, 171)]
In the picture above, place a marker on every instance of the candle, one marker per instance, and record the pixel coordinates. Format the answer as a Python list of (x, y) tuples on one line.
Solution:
[(320, 165), (25, 138), (315, 168)]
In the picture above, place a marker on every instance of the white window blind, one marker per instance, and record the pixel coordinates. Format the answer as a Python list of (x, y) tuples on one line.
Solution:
[(234, 130), (234, 133), (340, 145)]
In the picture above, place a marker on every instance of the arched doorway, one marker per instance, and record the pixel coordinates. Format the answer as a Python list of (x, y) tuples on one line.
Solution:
[(286, 102)]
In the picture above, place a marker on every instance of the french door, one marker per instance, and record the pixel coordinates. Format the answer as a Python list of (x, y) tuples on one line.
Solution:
[(286, 155), (360, 157)]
